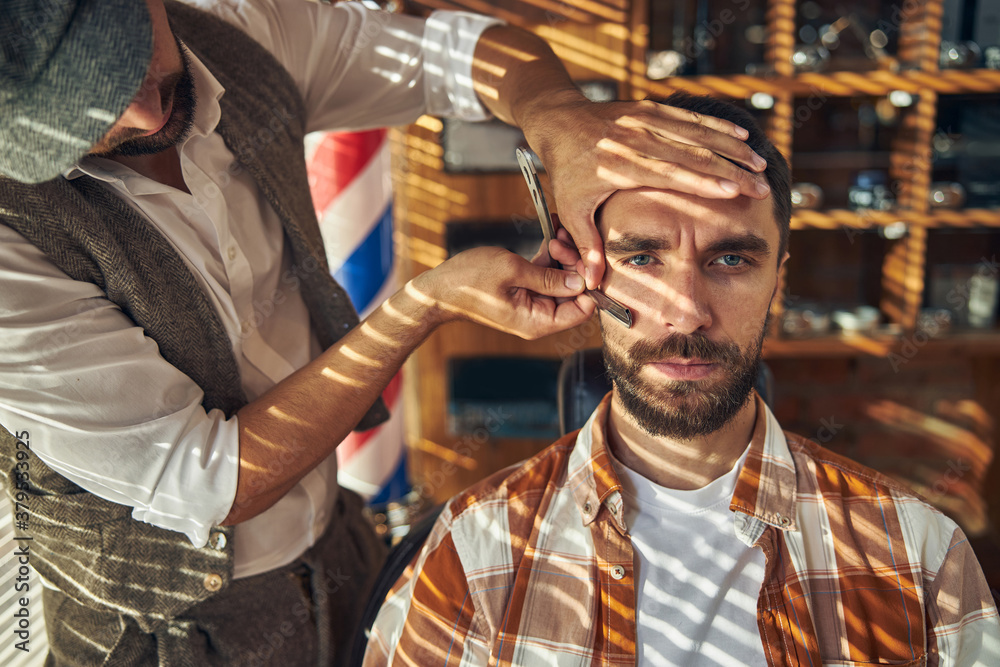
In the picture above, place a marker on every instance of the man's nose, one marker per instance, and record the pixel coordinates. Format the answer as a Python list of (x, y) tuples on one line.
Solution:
[(684, 304)]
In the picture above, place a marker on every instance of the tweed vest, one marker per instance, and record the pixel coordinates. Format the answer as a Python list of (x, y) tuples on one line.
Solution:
[(89, 548)]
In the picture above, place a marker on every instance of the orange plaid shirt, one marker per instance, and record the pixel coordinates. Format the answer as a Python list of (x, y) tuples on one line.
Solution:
[(534, 566)]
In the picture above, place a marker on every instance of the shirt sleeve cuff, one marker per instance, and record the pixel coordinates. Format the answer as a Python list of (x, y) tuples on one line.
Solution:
[(195, 514), (449, 43)]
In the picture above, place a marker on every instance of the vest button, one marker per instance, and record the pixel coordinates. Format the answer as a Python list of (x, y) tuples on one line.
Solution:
[(218, 541), (617, 572), (212, 582)]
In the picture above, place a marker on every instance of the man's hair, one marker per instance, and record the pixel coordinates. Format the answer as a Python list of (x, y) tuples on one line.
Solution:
[(777, 172)]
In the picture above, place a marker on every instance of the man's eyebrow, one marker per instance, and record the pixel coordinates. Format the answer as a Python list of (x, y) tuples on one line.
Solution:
[(629, 243), (745, 243)]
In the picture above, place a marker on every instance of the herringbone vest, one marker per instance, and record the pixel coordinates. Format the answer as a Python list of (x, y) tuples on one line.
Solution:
[(92, 549)]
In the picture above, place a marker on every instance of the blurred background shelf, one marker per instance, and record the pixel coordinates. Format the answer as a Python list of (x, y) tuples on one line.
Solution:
[(882, 346), (831, 84), (839, 218)]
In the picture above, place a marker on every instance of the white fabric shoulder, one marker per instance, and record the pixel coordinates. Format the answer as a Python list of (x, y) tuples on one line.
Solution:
[(358, 68)]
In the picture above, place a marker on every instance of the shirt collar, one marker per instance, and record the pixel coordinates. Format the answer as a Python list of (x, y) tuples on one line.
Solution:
[(765, 488), (591, 473), (207, 115)]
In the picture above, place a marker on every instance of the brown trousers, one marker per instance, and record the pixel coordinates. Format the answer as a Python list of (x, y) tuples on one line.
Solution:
[(303, 614)]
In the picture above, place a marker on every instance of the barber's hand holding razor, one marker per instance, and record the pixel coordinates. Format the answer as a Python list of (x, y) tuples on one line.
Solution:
[(504, 291)]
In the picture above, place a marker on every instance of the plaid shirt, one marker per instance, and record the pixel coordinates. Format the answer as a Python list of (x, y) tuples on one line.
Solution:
[(534, 566)]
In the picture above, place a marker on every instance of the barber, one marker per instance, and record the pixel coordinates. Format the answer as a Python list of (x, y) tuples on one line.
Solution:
[(177, 363)]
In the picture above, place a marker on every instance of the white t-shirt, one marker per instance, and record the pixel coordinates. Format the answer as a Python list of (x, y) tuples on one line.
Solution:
[(697, 584), (102, 407)]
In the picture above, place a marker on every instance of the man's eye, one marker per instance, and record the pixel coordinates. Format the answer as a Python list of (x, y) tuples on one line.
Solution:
[(732, 260), (639, 260)]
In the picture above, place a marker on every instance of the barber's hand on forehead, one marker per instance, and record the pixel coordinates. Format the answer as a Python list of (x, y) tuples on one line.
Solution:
[(592, 149), (504, 291)]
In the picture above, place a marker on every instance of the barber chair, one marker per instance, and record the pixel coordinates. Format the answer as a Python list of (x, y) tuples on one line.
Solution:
[(395, 564), (582, 385)]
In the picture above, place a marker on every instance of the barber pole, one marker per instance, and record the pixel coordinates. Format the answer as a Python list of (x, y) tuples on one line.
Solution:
[(349, 174)]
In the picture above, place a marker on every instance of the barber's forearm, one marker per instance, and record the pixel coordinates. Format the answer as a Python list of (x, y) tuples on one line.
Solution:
[(286, 432), (514, 71), (299, 422)]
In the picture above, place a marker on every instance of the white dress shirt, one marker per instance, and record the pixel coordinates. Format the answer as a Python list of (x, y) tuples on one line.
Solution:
[(102, 407)]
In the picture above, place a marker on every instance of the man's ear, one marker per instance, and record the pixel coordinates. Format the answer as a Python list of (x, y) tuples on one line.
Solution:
[(775, 292)]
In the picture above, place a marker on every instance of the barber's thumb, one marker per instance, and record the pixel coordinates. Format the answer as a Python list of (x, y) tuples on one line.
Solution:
[(557, 282)]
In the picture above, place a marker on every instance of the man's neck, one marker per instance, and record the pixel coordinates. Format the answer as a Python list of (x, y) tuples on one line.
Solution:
[(163, 167), (679, 464)]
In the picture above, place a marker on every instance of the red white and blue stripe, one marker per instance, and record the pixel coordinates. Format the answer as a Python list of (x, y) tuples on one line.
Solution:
[(349, 174)]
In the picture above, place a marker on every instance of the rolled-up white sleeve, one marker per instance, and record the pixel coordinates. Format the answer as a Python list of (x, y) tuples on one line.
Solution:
[(358, 68), (102, 407), (449, 41)]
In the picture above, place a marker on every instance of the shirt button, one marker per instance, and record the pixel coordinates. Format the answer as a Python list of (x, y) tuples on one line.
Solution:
[(245, 327), (212, 582), (218, 541), (587, 509), (232, 253), (617, 572), (784, 521)]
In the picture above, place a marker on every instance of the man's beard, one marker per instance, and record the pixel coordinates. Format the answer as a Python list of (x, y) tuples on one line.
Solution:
[(177, 88), (684, 409)]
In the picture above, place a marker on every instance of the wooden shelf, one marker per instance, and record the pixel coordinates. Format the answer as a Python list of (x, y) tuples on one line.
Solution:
[(875, 83), (868, 219), (853, 345)]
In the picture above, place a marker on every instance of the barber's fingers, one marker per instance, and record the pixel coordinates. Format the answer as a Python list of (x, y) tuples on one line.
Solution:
[(563, 250), (506, 292), (693, 170), (565, 253), (541, 300), (547, 300), (720, 136), (567, 314), (648, 160), (544, 280), (578, 244)]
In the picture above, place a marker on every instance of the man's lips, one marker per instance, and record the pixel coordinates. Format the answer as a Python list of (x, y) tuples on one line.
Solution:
[(678, 368)]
